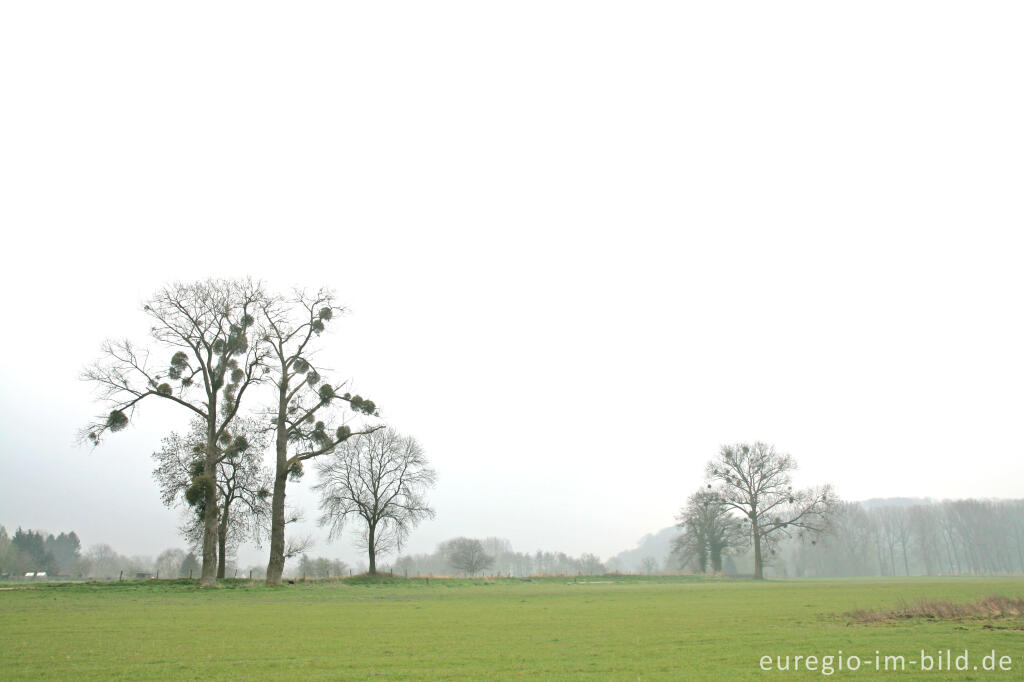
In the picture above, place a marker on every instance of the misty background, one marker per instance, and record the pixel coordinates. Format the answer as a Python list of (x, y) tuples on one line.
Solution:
[(582, 247)]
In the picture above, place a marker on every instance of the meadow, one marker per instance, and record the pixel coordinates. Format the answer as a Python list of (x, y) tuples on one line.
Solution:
[(627, 628)]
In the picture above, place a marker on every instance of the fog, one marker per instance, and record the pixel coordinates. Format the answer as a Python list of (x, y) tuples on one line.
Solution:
[(574, 269)]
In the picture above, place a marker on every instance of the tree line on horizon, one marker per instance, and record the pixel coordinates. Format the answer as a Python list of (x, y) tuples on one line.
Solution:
[(749, 511), (494, 556), (951, 537)]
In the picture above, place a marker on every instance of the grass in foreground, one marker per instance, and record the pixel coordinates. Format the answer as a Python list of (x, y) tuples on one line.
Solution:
[(552, 628)]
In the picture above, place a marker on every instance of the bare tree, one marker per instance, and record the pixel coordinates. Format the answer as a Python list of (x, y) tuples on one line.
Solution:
[(243, 484), (168, 563), (380, 479), (466, 555), (306, 405), (204, 327), (755, 481), (709, 531), (590, 564)]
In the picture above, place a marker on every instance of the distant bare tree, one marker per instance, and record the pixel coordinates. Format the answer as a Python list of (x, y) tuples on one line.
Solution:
[(243, 484), (380, 479), (306, 404), (168, 563), (649, 565), (590, 564), (709, 531), (322, 567), (755, 481), (466, 555), (206, 326)]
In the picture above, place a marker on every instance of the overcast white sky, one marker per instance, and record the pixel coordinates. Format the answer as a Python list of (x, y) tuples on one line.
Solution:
[(583, 244)]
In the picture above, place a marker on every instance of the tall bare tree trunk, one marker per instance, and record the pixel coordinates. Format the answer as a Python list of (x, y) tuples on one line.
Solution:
[(208, 572), (208, 575), (275, 567), (758, 563), (222, 542), (372, 548)]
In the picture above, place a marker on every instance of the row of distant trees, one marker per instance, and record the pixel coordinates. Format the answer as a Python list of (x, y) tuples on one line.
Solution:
[(241, 362), (749, 513), (952, 537), (31, 551), (495, 556), (943, 538), (34, 551)]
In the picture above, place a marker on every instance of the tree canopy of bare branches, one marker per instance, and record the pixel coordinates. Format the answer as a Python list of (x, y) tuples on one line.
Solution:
[(755, 481), (203, 359), (379, 479)]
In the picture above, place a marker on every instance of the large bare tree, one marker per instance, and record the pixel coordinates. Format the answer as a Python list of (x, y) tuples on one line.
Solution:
[(755, 481), (243, 484), (306, 418), (203, 360), (379, 479)]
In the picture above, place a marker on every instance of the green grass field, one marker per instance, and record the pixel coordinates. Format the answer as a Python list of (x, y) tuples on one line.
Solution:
[(552, 628)]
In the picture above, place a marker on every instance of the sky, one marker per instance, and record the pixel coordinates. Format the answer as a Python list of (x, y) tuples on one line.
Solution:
[(582, 245)]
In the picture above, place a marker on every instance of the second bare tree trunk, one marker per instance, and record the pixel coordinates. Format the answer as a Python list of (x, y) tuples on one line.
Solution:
[(758, 567), (275, 567)]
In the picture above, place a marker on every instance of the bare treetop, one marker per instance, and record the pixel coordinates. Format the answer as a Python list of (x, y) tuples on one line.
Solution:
[(209, 323), (380, 479)]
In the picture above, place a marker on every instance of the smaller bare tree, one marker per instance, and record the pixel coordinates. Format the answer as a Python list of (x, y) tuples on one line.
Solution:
[(709, 531), (242, 482), (380, 479)]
